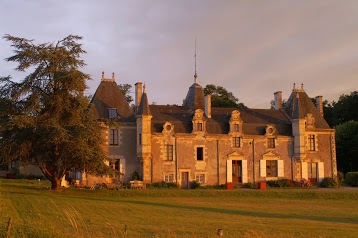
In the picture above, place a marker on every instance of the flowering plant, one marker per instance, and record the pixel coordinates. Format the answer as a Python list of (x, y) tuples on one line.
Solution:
[(304, 182)]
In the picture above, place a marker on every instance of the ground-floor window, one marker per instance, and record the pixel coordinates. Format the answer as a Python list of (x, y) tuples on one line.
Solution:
[(169, 178), (200, 178), (271, 168)]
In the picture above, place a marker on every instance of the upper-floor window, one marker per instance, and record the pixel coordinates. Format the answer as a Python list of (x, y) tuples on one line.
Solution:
[(169, 152), (112, 112), (236, 142), (199, 126), (271, 143), (271, 168), (113, 136), (199, 153), (139, 139), (311, 142)]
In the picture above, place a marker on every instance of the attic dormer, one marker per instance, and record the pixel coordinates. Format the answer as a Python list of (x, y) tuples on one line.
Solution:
[(235, 122), (199, 121)]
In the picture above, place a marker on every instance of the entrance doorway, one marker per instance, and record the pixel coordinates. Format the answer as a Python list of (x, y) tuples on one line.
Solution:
[(312, 172), (237, 171), (184, 180)]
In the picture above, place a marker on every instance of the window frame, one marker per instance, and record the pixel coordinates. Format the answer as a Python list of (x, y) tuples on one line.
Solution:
[(311, 142), (271, 166), (169, 152), (236, 142), (113, 136), (200, 178), (199, 153), (169, 178), (112, 113), (271, 142)]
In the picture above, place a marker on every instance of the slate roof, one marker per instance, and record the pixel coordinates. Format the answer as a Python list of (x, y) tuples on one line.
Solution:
[(195, 97), (144, 108), (108, 95), (299, 105), (255, 121)]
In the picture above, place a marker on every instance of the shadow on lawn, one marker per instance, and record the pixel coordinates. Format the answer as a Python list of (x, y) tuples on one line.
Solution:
[(248, 213)]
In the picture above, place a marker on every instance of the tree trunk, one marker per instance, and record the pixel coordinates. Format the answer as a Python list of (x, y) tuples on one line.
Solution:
[(55, 183)]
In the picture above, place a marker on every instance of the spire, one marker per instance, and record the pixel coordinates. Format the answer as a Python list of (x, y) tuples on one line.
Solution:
[(195, 75), (144, 108)]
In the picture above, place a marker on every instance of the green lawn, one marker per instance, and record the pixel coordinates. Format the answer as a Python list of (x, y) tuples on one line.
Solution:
[(39, 212)]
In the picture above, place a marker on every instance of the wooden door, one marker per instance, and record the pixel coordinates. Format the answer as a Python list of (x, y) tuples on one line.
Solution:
[(185, 180), (236, 171)]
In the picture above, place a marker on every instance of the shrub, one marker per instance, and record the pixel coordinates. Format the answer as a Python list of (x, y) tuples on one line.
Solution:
[(351, 179), (329, 182), (249, 185), (304, 183), (281, 183), (194, 184), (135, 176), (220, 186), (340, 177), (161, 185)]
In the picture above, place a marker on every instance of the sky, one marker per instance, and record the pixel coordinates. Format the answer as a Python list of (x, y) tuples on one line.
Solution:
[(252, 48)]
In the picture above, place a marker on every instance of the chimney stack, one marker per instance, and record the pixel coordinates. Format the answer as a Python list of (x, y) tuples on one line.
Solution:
[(319, 104), (278, 99), (208, 106), (138, 95)]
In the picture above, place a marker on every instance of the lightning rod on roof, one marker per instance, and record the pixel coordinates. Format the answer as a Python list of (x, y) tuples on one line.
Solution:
[(195, 75)]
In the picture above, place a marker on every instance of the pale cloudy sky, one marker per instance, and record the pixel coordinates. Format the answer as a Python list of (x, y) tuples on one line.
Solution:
[(252, 48)]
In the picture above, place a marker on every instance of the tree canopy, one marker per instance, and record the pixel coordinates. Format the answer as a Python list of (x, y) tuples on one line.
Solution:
[(125, 88), (220, 97), (45, 117), (347, 146)]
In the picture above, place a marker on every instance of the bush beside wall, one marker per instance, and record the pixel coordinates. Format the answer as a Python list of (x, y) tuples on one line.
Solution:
[(351, 179)]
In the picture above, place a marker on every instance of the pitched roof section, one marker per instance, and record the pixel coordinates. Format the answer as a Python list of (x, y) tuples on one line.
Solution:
[(195, 97), (144, 108), (255, 121), (299, 105), (108, 95)]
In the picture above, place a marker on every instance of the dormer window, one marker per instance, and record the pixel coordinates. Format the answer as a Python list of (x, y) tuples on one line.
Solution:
[(236, 127), (199, 121), (112, 113), (235, 123)]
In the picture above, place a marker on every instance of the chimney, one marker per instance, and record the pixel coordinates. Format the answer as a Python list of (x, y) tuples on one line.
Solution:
[(319, 104), (278, 99), (138, 95), (208, 106)]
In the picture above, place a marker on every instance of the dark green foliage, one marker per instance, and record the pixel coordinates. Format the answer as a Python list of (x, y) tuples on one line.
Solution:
[(351, 179), (194, 185), (221, 186), (346, 108), (45, 118), (340, 177), (162, 185), (347, 146), (220, 97), (329, 182), (281, 183), (125, 88), (249, 185), (135, 176)]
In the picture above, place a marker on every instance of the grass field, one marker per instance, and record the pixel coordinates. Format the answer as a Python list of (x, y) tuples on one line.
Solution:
[(39, 212)]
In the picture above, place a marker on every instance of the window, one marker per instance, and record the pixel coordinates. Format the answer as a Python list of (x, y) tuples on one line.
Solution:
[(236, 127), (236, 142), (169, 178), (270, 142), (113, 136), (112, 112), (199, 126), (139, 139), (311, 143), (199, 153), (312, 171), (169, 152), (200, 178), (271, 168)]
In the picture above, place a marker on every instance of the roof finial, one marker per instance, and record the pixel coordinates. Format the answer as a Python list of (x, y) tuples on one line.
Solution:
[(294, 86), (195, 75), (113, 75), (102, 74), (302, 86), (144, 91)]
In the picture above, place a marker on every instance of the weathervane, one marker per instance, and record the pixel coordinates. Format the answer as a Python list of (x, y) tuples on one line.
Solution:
[(195, 75)]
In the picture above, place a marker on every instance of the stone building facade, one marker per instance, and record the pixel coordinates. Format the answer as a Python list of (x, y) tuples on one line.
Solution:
[(212, 145)]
